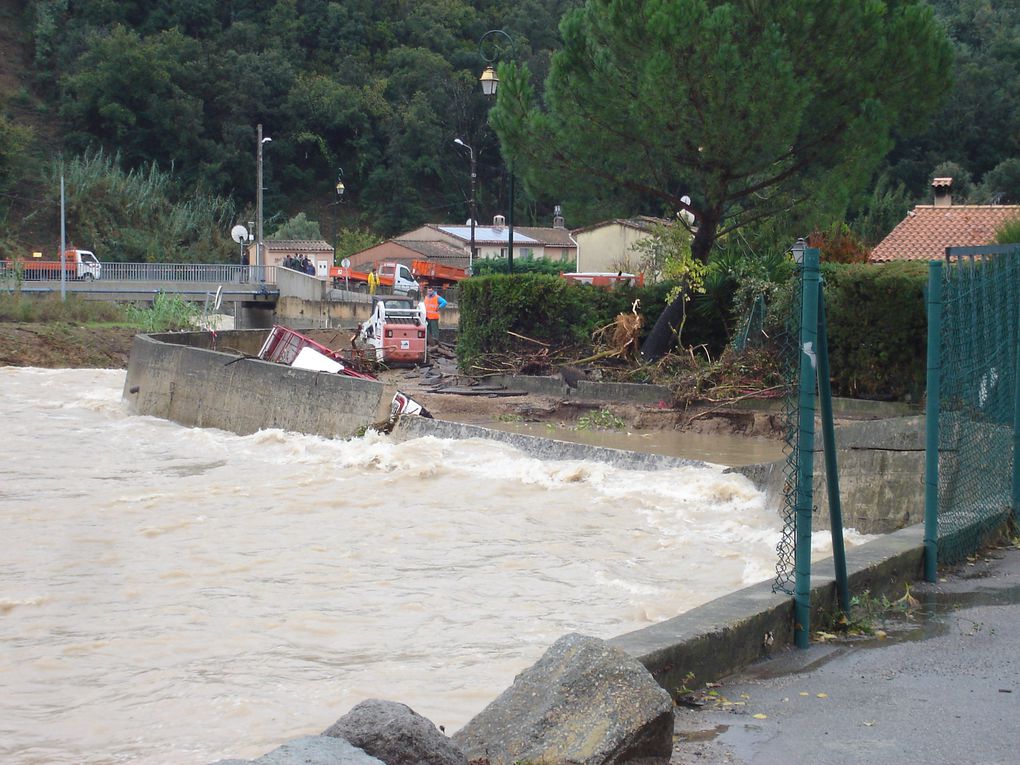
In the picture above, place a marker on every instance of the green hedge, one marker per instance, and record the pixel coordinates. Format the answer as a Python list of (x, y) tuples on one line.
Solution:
[(878, 329), (559, 312), (876, 320)]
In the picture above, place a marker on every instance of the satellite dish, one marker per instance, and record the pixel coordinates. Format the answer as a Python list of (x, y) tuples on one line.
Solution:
[(345, 263), (239, 234)]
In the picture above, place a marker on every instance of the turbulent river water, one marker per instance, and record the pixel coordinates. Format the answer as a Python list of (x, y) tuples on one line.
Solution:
[(176, 595)]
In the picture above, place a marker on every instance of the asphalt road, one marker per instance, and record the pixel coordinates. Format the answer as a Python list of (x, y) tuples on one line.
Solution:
[(942, 687)]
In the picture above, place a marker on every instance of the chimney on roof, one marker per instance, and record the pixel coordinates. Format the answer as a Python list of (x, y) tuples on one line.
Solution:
[(558, 221), (498, 221), (943, 191)]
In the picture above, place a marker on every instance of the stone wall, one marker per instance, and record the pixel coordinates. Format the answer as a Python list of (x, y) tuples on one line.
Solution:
[(178, 377)]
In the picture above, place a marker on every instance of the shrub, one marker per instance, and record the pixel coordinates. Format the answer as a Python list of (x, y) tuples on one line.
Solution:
[(877, 329), (167, 313)]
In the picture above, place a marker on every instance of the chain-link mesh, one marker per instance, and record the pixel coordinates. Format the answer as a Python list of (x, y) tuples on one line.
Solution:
[(976, 407), (789, 354), (753, 332)]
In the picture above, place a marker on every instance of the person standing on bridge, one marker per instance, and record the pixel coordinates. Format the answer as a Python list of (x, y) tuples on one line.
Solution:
[(373, 282), (434, 302)]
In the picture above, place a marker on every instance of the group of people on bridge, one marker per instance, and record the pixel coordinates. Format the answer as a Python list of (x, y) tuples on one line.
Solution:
[(302, 264)]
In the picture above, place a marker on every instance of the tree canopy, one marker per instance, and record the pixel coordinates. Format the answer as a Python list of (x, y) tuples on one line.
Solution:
[(749, 108)]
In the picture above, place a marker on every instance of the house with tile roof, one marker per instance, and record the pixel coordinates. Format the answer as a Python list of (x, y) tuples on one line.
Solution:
[(407, 250), (492, 241), (609, 245), (928, 230)]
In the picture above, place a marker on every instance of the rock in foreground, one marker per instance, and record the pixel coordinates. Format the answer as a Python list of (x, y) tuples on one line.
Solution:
[(395, 734), (583, 702)]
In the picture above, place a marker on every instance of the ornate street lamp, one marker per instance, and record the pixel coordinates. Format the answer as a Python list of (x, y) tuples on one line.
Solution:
[(472, 254), (490, 83)]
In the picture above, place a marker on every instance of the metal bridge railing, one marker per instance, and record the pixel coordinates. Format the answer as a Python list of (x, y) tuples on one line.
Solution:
[(188, 272)]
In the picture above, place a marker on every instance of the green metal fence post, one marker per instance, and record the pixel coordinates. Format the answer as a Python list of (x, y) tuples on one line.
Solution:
[(931, 448), (1016, 438), (831, 466), (806, 448)]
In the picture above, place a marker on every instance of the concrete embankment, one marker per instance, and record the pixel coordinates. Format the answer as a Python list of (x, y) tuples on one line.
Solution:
[(189, 378), (180, 377)]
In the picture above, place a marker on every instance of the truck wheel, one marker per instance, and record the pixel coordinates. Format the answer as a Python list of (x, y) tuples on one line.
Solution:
[(89, 277), (361, 287)]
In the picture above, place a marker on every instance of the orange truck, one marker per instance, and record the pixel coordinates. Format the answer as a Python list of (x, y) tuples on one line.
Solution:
[(78, 264), (436, 274), (606, 278), (402, 279), (396, 276)]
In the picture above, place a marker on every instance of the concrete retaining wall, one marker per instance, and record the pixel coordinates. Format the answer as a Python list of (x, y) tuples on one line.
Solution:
[(881, 476), (170, 377), (299, 313)]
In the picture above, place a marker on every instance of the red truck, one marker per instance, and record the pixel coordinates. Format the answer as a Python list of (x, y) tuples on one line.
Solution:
[(78, 264)]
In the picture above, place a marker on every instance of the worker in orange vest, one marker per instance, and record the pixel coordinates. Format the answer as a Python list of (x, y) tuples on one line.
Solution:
[(433, 303)]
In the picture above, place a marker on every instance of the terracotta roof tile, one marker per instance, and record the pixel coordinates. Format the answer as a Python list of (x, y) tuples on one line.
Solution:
[(927, 230)]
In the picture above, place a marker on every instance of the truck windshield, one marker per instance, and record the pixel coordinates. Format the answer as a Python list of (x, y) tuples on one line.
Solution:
[(88, 257)]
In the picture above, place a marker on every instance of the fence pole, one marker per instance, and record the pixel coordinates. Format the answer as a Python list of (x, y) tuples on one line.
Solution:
[(932, 405), (831, 466), (806, 448), (1016, 438)]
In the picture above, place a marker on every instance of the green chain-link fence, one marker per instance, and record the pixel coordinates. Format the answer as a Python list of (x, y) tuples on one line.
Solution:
[(974, 396), (788, 349)]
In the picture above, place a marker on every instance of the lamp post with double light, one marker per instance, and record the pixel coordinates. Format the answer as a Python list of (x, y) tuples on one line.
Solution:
[(472, 254), (489, 80)]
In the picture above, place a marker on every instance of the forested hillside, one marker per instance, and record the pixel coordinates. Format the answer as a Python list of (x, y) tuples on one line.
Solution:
[(154, 107)]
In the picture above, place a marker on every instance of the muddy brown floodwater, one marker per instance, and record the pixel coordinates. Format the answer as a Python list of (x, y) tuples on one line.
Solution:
[(178, 595)]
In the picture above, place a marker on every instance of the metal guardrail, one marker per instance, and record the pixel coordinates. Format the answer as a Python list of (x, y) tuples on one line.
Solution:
[(188, 272)]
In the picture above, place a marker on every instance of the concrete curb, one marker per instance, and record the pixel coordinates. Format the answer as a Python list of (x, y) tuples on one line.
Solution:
[(727, 634)]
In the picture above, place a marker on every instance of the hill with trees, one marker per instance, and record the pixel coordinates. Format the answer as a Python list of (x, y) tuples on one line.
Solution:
[(152, 107)]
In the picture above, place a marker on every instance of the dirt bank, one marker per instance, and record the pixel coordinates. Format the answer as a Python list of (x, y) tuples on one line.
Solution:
[(57, 345)]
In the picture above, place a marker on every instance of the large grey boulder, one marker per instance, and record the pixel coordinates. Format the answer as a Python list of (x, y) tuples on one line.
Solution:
[(396, 735), (583, 702), (311, 750)]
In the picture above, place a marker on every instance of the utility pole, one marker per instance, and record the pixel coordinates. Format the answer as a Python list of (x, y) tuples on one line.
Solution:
[(63, 239)]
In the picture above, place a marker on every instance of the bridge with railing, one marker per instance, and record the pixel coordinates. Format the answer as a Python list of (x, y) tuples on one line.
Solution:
[(196, 282), (132, 282)]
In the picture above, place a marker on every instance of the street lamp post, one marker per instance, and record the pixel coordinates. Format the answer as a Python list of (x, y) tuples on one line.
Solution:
[(340, 189), (259, 255), (490, 82), (472, 254)]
